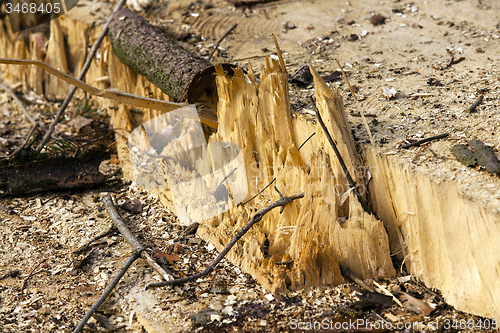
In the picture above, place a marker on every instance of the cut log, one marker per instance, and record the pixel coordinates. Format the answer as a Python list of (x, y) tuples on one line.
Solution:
[(151, 53)]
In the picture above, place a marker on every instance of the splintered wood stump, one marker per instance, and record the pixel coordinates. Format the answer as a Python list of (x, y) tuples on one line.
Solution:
[(448, 237), (320, 232)]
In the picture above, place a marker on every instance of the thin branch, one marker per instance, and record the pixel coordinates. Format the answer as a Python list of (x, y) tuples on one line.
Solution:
[(419, 142), (220, 40), (19, 103), (30, 118), (225, 178), (255, 196), (25, 143), (96, 238), (350, 181), (104, 322), (282, 202), (473, 107), (25, 283), (115, 95), (85, 68), (303, 143), (119, 223), (136, 254)]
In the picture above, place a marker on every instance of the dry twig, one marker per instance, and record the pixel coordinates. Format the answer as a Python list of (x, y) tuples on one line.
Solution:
[(85, 68), (350, 181), (303, 143), (220, 40), (25, 283), (473, 107), (282, 202), (119, 223), (419, 142), (255, 196), (21, 106), (136, 254), (32, 121), (139, 251)]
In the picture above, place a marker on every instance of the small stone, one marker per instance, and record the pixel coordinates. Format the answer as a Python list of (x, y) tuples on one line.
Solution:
[(464, 155), (377, 19), (485, 156), (204, 317), (134, 206), (44, 310)]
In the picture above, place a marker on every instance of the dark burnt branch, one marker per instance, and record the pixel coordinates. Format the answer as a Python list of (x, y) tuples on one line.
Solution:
[(420, 142), (139, 251), (282, 202), (350, 181), (108, 290)]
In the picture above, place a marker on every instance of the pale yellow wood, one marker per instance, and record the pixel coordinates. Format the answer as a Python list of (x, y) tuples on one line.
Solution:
[(35, 73), (450, 240), (258, 119), (56, 57)]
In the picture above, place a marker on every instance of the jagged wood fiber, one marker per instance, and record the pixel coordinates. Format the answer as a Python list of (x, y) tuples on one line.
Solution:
[(257, 117), (467, 278)]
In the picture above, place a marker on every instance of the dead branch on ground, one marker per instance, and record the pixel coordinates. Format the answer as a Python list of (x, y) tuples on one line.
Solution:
[(119, 224), (282, 202), (136, 254), (139, 251)]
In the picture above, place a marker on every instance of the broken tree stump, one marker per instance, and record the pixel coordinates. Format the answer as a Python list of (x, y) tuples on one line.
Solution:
[(447, 230)]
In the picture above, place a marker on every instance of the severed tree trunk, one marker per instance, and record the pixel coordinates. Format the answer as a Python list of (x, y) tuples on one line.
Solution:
[(151, 53)]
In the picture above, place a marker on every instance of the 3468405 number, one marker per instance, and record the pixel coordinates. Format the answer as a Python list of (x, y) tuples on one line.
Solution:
[(33, 8)]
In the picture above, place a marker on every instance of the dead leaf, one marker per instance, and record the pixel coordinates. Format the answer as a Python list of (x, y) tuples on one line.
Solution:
[(414, 304), (79, 122), (169, 257)]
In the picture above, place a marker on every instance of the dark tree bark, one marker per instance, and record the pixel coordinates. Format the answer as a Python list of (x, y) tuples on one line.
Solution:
[(151, 53)]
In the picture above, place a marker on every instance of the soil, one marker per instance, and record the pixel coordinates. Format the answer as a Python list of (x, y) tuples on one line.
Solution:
[(417, 50)]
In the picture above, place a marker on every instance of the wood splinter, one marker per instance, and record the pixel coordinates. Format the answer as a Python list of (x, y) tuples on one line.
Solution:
[(473, 107), (282, 202)]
